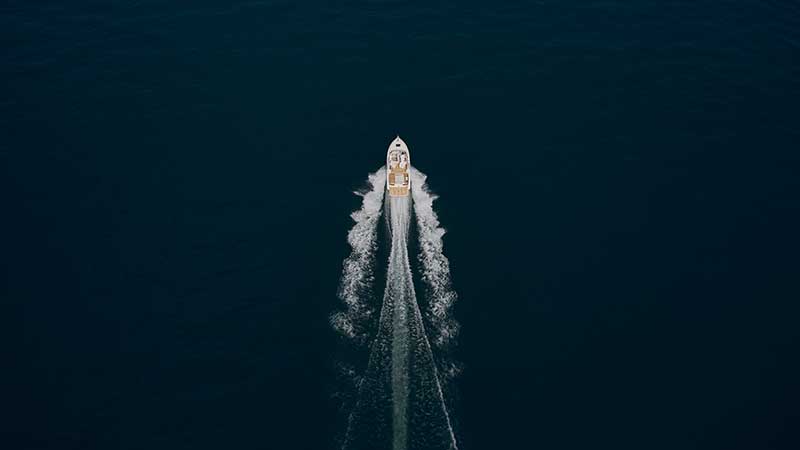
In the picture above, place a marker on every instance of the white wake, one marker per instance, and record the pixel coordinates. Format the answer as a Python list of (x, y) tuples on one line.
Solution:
[(358, 268), (400, 294), (443, 329), (400, 398)]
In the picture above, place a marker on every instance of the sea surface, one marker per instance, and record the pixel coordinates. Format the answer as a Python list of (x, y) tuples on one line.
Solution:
[(619, 181)]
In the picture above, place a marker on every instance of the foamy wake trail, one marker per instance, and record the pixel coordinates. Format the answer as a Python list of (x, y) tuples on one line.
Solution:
[(400, 289), (358, 268), (442, 328), (400, 400)]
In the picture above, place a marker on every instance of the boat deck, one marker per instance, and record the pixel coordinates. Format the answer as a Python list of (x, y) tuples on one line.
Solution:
[(398, 161), (400, 191)]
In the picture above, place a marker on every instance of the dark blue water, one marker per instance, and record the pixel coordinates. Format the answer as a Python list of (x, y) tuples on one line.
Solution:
[(619, 181)]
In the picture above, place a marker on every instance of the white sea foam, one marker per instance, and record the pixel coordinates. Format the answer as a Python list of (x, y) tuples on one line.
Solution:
[(400, 293), (401, 367), (435, 265), (358, 268), (400, 288)]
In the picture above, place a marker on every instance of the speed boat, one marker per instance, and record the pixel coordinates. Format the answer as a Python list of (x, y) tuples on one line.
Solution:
[(398, 164)]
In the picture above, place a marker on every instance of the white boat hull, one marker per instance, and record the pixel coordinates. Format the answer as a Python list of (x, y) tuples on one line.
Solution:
[(398, 164)]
